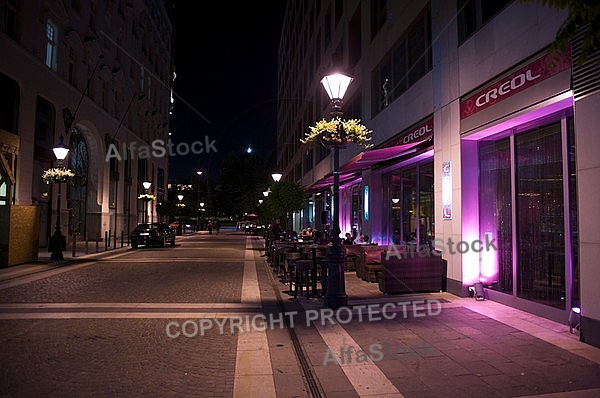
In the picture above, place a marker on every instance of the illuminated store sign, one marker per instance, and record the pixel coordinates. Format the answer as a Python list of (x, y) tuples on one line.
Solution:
[(446, 191), (519, 80)]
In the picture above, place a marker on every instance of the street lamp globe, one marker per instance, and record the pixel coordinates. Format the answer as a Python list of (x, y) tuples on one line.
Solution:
[(146, 184), (276, 177), (199, 172), (336, 85), (60, 150), (180, 197)]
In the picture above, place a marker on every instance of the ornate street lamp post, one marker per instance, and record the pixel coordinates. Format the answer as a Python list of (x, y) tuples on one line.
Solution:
[(336, 297), (146, 184), (56, 241)]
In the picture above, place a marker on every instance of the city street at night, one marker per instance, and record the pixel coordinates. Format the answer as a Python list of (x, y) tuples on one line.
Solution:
[(158, 322)]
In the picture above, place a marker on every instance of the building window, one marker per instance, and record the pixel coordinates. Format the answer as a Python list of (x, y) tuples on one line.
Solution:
[(404, 65), (9, 18), (3, 192), (51, 46), (160, 176), (79, 163), (378, 16), (411, 205), (71, 68), (472, 14), (9, 104)]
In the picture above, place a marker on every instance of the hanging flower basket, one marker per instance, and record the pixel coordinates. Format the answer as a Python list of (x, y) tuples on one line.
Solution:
[(338, 132), (147, 197), (58, 175)]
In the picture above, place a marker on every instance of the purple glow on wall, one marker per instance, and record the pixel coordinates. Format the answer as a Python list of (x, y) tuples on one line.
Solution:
[(469, 216)]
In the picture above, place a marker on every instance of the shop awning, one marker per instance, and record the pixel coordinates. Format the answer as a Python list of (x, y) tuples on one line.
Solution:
[(363, 161)]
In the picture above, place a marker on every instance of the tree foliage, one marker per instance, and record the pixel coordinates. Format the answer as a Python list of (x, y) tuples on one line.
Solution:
[(244, 178), (583, 14), (285, 197)]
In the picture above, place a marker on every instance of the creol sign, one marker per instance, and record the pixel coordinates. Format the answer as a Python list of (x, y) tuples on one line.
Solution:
[(523, 78), (419, 133)]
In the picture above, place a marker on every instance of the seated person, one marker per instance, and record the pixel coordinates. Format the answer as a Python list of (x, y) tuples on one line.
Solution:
[(306, 233), (348, 240), (363, 240)]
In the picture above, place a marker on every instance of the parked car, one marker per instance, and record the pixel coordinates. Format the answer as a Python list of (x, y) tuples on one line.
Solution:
[(152, 234), (181, 227)]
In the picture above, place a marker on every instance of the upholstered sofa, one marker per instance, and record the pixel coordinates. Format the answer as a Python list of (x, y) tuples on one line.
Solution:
[(351, 254), (413, 274)]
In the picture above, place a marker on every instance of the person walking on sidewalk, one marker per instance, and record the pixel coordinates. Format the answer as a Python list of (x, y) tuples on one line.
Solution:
[(210, 227)]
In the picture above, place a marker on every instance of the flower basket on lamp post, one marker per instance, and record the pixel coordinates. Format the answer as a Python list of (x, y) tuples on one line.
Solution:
[(337, 132), (58, 175)]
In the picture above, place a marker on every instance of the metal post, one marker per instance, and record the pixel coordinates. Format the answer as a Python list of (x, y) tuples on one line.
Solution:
[(74, 244), (57, 238), (122, 237), (336, 283), (97, 243), (87, 243)]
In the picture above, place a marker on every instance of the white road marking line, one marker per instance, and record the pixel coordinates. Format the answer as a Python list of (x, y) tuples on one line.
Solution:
[(253, 371)]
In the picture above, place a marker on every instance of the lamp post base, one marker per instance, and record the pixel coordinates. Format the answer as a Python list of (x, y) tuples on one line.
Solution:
[(336, 296), (57, 245)]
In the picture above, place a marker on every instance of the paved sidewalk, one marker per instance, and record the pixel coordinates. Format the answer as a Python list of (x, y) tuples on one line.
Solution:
[(469, 349)]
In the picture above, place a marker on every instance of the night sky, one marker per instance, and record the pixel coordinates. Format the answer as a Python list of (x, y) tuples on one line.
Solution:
[(226, 85)]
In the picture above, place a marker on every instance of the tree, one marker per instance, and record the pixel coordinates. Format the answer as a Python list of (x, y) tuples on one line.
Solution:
[(285, 197), (167, 208), (583, 15), (244, 179)]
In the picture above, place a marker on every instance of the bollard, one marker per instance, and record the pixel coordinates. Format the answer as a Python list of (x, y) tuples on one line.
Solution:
[(97, 242), (74, 244), (122, 237), (87, 243), (106, 237), (114, 240)]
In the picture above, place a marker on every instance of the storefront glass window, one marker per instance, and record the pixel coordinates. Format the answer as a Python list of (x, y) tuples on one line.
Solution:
[(410, 217), (409, 209), (540, 216), (534, 266), (426, 230)]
